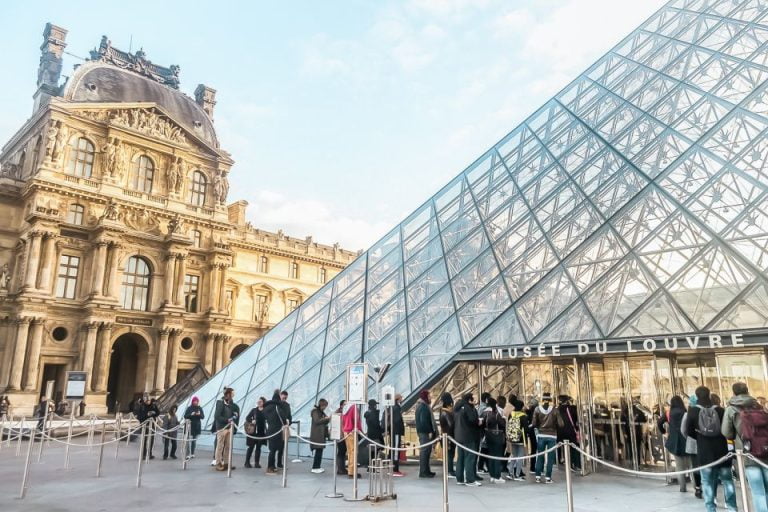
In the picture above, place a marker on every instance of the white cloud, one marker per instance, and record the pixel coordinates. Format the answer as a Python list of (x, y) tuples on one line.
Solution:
[(301, 217)]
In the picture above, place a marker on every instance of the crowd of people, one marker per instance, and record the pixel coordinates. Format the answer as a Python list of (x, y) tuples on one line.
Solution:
[(703, 434)]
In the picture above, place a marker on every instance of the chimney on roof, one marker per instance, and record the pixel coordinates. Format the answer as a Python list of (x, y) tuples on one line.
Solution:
[(206, 98), (49, 71)]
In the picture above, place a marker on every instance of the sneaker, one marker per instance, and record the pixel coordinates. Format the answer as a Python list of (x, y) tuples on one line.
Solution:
[(473, 484), (538, 479), (451, 475), (193, 455), (213, 462), (482, 472), (698, 493), (460, 483), (271, 471), (509, 477), (318, 470), (188, 457), (497, 481), (519, 479), (220, 467), (398, 473), (548, 481)]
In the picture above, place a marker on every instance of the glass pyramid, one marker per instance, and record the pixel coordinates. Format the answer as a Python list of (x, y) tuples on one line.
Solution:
[(632, 203)]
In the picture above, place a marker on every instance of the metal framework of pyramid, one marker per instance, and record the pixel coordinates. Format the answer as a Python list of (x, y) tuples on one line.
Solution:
[(632, 203)]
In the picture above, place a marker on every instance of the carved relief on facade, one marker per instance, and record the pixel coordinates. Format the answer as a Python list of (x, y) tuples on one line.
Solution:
[(174, 175), (111, 212), (143, 120), (57, 136), (220, 186), (175, 225), (142, 220)]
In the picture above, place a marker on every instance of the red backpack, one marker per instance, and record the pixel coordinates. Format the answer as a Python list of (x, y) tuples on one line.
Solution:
[(753, 430)]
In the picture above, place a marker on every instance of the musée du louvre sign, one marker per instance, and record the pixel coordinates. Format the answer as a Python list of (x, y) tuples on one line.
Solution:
[(709, 341)]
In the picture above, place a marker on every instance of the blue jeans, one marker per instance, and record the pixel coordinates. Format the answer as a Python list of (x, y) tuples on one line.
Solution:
[(709, 479), (545, 443), (758, 484), (466, 465)]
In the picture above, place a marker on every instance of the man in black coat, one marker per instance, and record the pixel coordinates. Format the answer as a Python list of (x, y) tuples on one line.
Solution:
[(570, 429), (274, 414), (398, 431), (147, 411), (285, 411), (467, 433)]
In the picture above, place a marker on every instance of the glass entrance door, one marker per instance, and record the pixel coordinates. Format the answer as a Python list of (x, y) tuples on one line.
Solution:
[(749, 368)]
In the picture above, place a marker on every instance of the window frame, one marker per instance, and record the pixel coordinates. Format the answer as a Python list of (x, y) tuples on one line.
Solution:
[(264, 265), (67, 275), (198, 188), (293, 271), (82, 153), (191, 293), (133, 281), (197, 238), (141, 175), (76, 217), (322, 275)]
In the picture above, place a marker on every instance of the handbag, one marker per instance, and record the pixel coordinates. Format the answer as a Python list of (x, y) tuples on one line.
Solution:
[(250, 428), (570, 418)]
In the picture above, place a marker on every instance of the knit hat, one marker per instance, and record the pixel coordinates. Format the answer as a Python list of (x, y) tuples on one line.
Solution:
[(424, 394), (195, 399)]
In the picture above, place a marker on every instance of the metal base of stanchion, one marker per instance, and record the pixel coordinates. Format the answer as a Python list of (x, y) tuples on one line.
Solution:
[(336, 495)]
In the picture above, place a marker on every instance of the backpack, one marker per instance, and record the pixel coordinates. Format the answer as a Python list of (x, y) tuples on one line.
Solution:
[(753, 430), (515, 428), (709, 422)]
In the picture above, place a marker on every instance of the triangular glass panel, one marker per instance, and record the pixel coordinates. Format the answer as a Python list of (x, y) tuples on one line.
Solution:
[(748, 312), (503, 332), (545, 302), (709, 284), (592, 260), (672, 246), (435, 351), (659, 316), (483, 309), (574, 325)]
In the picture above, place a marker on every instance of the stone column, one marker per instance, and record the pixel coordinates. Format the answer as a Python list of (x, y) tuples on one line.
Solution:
[(49, 263), (222, 294), (170, 262), (213, 291), (33, 260), (99, 268), (105, 355), (209, 353), (19, 351), (33, 362), (114, 259), (173, 367), (162, 357), (219, 352), (181, 266), (89, 352)]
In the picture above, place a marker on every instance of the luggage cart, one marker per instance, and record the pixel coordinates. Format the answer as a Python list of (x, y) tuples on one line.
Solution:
[(381, 484)]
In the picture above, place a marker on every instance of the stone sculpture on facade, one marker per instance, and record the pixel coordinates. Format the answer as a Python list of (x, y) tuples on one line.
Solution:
[(5, 277), (220, 187), (175, 224), (112, 152), (174, 174), (51, 134), (149, 122), (111, 212), (61, 141)]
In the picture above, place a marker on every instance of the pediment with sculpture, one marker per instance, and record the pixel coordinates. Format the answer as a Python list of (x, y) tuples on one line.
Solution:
[(149, 121)]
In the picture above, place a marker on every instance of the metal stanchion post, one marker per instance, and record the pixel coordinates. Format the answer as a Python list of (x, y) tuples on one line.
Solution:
[(119, 432), (91, 428), (26, 465), (286, 435), (353, 461), (42, 434), (101, 449), (2, 431), (69, 439), (445, 472), (335, 493), (21, 430), (184, 440), (568, 476), (742, 480), (298, 447), (229, 451), (143, 432)]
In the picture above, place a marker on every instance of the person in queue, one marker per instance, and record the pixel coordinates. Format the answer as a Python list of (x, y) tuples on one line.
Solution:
[(670, 423), (255, 426), (547, 421), (745, 422), (350, 422), (319, 433), (147, 412), (517, 424), (397, 425), (274, 413), (704, 424), (341, 447), (482, 461), (225, 417), (285, 410), (426, 428), (447, 423), (170, 434), (467, 434), (494, 428), (373, 424), (570, 430), (195, 415)]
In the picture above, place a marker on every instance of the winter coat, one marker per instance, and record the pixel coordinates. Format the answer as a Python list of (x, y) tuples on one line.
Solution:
[(672, 426), (146, 411), (425, 421), (373, 425), (256, 416), (570, 428), (170, 422), (466, 426), (350, 419), (732, 421), (494, 427), (319, 431), (195, 420), (274, 414), (447, 421), (224, 412), (547, 421), (397, 417), (708, 449)]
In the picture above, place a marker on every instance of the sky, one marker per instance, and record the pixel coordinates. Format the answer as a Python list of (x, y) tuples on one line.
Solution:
[(342, 116)]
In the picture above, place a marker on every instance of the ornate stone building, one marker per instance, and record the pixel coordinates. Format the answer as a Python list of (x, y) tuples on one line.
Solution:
[(118, 252)]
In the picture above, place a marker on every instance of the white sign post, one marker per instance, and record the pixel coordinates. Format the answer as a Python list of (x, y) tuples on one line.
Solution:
[(336, 433), (75, 389), (357, 383)]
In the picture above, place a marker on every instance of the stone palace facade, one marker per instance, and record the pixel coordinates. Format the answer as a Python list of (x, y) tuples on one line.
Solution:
[(119, 254)]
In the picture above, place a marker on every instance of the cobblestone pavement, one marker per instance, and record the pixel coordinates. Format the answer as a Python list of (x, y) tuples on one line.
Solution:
[(166, 487)]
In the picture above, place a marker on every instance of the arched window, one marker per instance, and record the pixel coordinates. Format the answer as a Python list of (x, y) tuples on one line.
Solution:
[(80, 158), (36, 154), (197, 186), (197, 238), (75, 214), (136, 281), (143, 174)]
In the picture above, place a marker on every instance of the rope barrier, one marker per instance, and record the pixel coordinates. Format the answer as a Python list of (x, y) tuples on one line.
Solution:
[(506, 459), (756, 460), (398, 449), (719, 461)]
